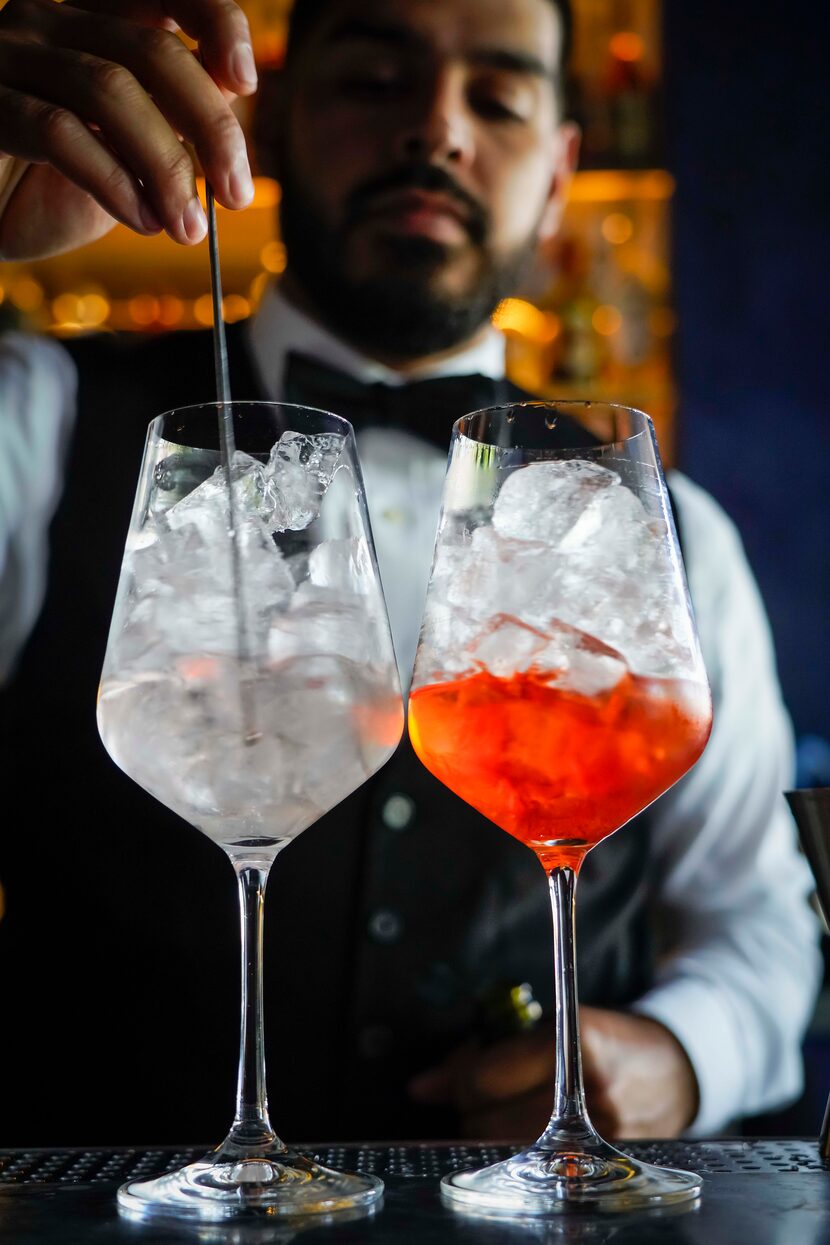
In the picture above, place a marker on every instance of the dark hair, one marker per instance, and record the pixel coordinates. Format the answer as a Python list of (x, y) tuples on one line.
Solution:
[(305, 14)]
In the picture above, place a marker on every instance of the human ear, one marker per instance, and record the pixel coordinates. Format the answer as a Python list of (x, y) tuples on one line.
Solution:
[(566, 154)]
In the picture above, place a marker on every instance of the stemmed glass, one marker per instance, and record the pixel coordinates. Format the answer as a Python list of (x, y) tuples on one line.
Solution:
[(250, 684), (559, 689)]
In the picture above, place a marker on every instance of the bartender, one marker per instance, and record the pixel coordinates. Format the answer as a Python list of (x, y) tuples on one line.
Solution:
[(423, 152)]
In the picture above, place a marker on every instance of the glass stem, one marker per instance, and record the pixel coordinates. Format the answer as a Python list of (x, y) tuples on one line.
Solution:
[(569, 1123), (252, 1128)]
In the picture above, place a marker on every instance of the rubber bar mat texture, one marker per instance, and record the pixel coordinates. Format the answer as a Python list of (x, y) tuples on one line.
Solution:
[(413, 1161)]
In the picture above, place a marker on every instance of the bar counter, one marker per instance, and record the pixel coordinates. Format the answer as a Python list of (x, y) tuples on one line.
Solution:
[(756, 1192)]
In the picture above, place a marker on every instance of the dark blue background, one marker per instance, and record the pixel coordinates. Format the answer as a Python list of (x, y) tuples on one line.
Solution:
[(748, 133)]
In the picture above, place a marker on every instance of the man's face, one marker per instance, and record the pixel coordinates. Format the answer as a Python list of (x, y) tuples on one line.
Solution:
[(421, 142)]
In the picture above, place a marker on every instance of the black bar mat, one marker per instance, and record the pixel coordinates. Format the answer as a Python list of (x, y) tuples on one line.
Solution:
[(415, 1160)]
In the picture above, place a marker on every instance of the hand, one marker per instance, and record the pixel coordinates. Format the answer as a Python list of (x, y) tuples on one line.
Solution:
[(96, 95), (638, 1080)]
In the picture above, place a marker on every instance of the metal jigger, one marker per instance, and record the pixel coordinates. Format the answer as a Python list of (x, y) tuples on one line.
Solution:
[(811, 809)]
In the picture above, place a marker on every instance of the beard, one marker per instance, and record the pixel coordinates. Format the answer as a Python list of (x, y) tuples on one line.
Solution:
[(401, 310)]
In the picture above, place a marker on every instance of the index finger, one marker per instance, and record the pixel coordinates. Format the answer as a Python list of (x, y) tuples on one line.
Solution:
[(219, 27)]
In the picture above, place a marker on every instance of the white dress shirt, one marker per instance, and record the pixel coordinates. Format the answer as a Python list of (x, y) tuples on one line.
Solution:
[(739, 964), (37, 412)]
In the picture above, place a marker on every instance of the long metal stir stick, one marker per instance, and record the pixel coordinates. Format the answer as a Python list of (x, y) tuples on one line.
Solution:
[(227, 445)]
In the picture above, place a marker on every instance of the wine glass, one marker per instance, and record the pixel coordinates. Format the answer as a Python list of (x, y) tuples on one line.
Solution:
[(250, 684), (559, 689)]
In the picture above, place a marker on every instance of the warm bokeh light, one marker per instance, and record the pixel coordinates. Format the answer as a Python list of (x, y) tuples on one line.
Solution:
[(515, 315), (170, 311), (80, 311), (619, 185), (95, 310), (258, 287), (627, 46), (272, 257), (606, 320), (66, 309), (617, 228), (203, 310), (235, 307), (26, 293), (143, 310)]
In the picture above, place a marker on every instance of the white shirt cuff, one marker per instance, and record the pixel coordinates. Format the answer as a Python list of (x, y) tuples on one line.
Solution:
[(691, 1010)]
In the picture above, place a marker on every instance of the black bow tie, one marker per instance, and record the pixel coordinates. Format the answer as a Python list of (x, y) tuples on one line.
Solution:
[(427, 408)]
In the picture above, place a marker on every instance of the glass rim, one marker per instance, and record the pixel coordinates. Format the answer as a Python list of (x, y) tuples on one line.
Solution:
[(348, 428), (546, 404)]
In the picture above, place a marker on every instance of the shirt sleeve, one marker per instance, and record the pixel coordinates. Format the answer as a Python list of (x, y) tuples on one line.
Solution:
[(738, 965), (37, 410)]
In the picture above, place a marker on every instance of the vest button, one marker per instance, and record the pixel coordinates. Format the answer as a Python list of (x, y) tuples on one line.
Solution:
[(385, 926), (398, 811)]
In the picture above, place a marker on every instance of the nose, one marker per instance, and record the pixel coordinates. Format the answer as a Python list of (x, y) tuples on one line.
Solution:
[(437, 126)]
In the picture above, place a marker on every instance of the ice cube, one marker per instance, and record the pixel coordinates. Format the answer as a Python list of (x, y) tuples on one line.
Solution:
[(313, 712), (342, 565), (542, 501), (507, 646), (324, 622), (445, 632), (504, 576), (298, 473), (182, 588), (178, 474), (582, 663), (206, 507)]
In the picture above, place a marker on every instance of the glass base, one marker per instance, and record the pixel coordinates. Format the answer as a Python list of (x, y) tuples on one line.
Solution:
[(290, 1185), (590, 1177)]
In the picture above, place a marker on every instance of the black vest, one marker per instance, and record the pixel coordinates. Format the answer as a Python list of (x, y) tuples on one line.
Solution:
[(119, 948)]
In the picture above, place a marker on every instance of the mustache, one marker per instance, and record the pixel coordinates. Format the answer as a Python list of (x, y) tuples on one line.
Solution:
[(420, 177)]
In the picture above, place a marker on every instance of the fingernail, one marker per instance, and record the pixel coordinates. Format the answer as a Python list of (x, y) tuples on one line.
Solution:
[(244, 65), (148, 218), (194, 221), (240, 182)]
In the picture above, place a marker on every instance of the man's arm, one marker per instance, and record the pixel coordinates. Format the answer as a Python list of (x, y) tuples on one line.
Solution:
[(37, 401)]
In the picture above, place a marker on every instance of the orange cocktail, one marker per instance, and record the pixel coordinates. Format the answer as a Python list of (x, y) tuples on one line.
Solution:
[(558, 769)]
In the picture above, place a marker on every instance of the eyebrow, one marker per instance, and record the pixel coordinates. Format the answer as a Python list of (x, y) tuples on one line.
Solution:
[(390, 34)]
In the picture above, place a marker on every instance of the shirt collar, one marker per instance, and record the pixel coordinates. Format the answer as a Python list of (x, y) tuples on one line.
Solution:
[(279, 327)]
